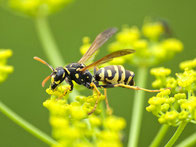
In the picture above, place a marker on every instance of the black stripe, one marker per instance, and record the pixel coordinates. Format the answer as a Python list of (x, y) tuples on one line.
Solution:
[(112, 69), (127, 75), (97, 77), (120, 72), (132, 83)]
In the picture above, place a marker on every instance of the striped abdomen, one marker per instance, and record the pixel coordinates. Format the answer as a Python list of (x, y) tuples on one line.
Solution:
[(115, 74)]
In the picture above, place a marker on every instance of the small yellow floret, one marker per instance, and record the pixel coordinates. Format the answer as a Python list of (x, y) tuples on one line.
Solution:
[(114, 123), (188, 64), (172, 45), (161, 71), (153, 30), (128, 35), (94, 120), (85, 46)]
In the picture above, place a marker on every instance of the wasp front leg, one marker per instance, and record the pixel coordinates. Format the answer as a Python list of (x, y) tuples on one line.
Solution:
[(70, 88)]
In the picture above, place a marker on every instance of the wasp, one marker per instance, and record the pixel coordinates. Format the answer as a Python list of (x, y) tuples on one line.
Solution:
[(110, 76)]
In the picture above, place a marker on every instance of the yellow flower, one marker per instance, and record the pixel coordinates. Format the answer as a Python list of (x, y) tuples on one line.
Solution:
[(160, 72), (187, 78), (85, 46), (188, 64), (5, 70), (128, 35), (151, 46), (172, 45), (153, 30), (71, 123), (37, 8), (178, 104)]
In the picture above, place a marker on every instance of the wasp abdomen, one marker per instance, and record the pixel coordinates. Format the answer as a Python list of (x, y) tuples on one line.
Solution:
[(115, 74)]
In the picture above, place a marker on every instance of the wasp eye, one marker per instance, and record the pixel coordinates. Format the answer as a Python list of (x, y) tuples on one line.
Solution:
[(57, 77)]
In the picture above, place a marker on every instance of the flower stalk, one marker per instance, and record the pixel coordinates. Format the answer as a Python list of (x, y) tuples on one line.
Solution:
[(26, 125), (157, 140), (137, 108), (49, 46), (190, 141), (48, 42), (176, 135)]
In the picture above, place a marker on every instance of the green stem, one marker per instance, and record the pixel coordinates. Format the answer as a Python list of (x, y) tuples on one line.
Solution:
[(137, 108), (26, 125), (176, 135), (163, 130), (190, 141), (48, 42), (50, 47)]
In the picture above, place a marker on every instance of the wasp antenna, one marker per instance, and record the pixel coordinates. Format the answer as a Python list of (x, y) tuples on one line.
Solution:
[(44, 62), (45, 80)]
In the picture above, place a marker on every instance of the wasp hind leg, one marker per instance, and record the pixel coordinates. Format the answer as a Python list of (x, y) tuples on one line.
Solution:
[(109, 110), (98, 97), (127, 86), (135, 88)]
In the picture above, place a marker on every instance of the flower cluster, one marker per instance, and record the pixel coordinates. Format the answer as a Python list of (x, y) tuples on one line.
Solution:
[(5, 70), (72, 126), (151, 44), (37, 8), (177, 104)]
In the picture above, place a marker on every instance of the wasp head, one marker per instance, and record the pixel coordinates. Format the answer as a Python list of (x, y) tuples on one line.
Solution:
[(57, 77)]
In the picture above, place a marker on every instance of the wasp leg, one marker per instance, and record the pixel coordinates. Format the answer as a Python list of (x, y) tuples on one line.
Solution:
[(127, 86), (135, 88), (98, 98), (109, 110), (106, 86), (70, 88), (66, 90)]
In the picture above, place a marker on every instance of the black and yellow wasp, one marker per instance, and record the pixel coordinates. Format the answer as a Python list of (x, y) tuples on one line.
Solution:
[(110, 76)]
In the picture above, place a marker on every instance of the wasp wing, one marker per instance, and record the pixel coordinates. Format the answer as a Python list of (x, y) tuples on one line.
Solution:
[(109, 57), (97, 43)]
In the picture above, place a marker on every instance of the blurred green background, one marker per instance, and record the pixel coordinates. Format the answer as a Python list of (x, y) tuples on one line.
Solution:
[(22, 91)]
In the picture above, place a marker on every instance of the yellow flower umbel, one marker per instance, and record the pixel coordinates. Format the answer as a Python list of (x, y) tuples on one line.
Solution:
[(5, 70), (151, 44), (178, 104), (37, 7), (73, 127)]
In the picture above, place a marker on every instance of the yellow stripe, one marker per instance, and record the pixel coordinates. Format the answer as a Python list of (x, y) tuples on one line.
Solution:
[(109, 73), (57, 82), (67, 71), (115, 78), (63, 74), (130, 77), (77, 76), (102, 74)]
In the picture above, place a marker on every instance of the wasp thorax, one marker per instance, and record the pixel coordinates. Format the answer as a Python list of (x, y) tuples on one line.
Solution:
[(57, 77)]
